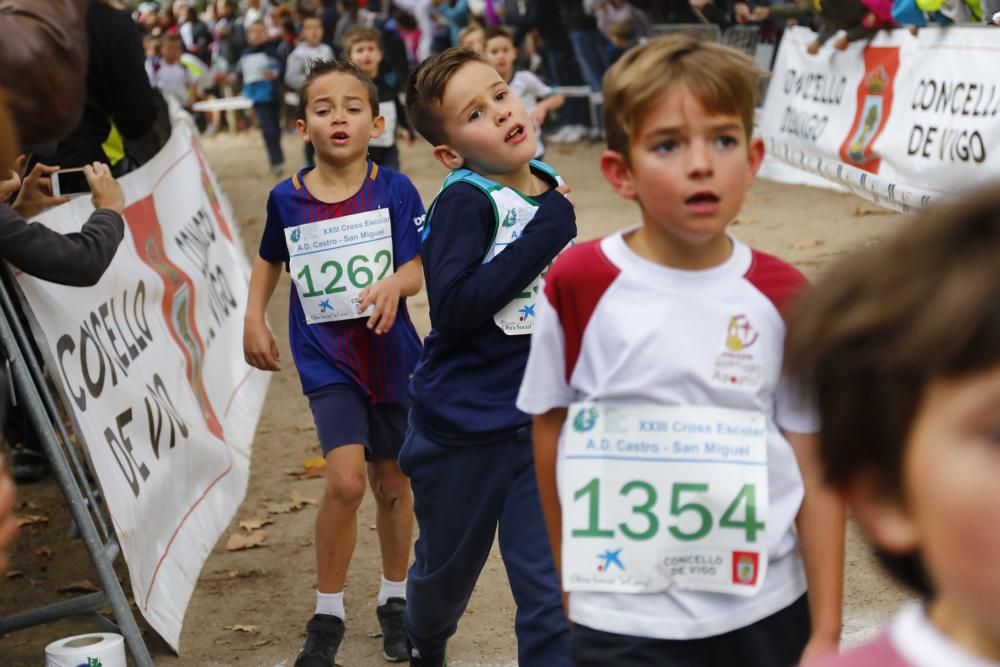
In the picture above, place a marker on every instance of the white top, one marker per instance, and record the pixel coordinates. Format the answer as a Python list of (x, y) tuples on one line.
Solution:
[(529, 89), (921, 643), (617, 328), (173, 80), (300, 61)]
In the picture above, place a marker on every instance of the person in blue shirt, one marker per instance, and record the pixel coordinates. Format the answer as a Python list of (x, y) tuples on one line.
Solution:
[(346, 231), (497, 224), (260, 70)]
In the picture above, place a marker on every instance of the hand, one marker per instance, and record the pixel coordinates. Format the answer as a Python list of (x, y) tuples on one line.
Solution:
[(270, 74), (565, 190), (741, 11), (259, 348), (841, 43), (819, 647), (8, 522), (11, 185), (760, 14), (813, 48), (406, 136), (106, 191), (538, 115), (36, 192), (385, 295)]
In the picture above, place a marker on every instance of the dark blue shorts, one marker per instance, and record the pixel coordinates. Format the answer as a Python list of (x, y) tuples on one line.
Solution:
[(346, 416)]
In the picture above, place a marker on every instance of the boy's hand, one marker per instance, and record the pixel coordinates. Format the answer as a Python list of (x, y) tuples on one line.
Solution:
[(107, 192), (36, 192), (538, 115), (385, 295), (259, 348), (12, 184)]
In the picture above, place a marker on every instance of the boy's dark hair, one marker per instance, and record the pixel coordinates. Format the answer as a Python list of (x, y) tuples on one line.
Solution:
[(323, 67), (358, 34), (172, 39), (425, 88), (879, 328), (499, 31)]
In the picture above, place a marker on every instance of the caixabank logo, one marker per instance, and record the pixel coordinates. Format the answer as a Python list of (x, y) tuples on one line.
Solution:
[(875, 94)]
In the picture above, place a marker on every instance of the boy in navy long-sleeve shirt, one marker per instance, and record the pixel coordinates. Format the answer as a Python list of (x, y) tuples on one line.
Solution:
[(498, 222)]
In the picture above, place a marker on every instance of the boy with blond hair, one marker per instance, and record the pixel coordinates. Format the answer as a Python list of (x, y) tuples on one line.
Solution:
[(676, 466), (363, 47), (498, 222), (346, 233)]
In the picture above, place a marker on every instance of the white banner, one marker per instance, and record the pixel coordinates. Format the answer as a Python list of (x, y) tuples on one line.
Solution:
[(901, 121), (150, 364)]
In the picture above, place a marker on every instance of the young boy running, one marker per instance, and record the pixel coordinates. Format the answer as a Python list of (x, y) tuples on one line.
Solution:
[(672, 457), (495, 227), (909, 399), (537, 97), (346, 232), (363, 48)]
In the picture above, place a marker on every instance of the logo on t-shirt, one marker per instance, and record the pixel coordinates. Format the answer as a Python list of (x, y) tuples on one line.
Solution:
[(745, 567), (585, 420), (296, 233), (609, 560), (737, 365)]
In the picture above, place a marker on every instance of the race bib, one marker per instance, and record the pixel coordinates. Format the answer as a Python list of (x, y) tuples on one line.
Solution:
[(332, 261), (657, 498), (388, 137)]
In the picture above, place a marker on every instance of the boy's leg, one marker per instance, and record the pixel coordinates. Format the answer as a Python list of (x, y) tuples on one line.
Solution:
[(393, 521), (270, 129), (775, 641), (458, 493), (596, 648), (337, 518), (540, 623)]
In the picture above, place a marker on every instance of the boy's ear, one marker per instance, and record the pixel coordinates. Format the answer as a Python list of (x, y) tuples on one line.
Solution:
[(377, 126), (447, 156), (300, 125), (756, 154), (617, 174), (882, 515)]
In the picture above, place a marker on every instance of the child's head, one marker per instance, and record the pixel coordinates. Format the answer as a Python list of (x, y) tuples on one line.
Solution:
[(256, 33), (501, 51), (8, 136), (899, 347), (462, 106), (171, 49), (473, 37), (678, 116), (312, 31), (362, 46), (151, 45), (623, 34), (338, 112)]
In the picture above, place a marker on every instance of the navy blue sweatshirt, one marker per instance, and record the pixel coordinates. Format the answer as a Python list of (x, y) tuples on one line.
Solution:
[(467, 379)]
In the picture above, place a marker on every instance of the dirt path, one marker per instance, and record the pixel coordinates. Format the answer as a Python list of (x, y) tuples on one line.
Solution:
[(270, 589)]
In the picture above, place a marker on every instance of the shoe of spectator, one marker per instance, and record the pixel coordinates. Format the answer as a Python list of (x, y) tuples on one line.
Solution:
[(595, 134), (29, 466), (559, 136), (277, 169), (578, 133)]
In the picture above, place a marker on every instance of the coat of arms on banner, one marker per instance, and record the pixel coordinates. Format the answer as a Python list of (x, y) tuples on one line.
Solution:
[(874, 104)]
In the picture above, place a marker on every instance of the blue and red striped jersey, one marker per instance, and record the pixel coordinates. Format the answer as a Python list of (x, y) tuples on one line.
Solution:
[(347, 352)]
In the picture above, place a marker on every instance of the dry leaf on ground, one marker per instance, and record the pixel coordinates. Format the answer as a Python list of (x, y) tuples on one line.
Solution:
[(44, 552), (238, 542), (806, 244), (31, 519), (301, 501), (255, 524), (14, 574), (83, 586), (280, 508), (243, 628)]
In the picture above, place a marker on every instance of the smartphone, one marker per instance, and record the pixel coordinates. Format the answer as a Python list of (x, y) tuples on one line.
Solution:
[(70, 182)]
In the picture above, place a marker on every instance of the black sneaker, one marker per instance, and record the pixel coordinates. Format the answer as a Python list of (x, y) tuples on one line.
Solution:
[(325, 632), (390, 619), (29, 465), (430, 661)]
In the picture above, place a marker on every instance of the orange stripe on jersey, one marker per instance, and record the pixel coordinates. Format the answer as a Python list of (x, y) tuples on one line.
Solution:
[(295, 181), (374, 171)]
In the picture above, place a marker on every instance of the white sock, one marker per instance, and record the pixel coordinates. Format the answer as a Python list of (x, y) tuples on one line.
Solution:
[(391, 589), (330, 603)]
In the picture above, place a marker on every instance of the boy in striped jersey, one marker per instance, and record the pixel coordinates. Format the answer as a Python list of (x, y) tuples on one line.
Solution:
[(346, 232)]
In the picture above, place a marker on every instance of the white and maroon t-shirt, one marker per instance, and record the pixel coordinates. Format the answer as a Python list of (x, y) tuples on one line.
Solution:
[(911, 641), (617, 328)]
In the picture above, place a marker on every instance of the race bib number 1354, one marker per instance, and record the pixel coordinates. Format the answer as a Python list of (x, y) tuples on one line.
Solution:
[(659, 497)]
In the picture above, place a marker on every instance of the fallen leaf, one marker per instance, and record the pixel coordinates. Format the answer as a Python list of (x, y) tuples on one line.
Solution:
[(263, 431), (83, 586), (254, 524), (243, 574), (280, 508), (31, 519), (301, 501), (44, 552), (252, 629), (260, 642), (305, 429), (861, 212), (14, 574), (375, 635), (311, 473), (314, 462), (238, 542), (805, 244)]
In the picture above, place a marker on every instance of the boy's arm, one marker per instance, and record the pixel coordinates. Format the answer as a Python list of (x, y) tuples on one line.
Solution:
[(295, 73), (820, 524), (462, 291), (385, 295), (545, 439), (259, 348), (546, 106)]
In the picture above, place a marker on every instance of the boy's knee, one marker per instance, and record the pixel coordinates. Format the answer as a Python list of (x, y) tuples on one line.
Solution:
[(389, 485), (345, 488)]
